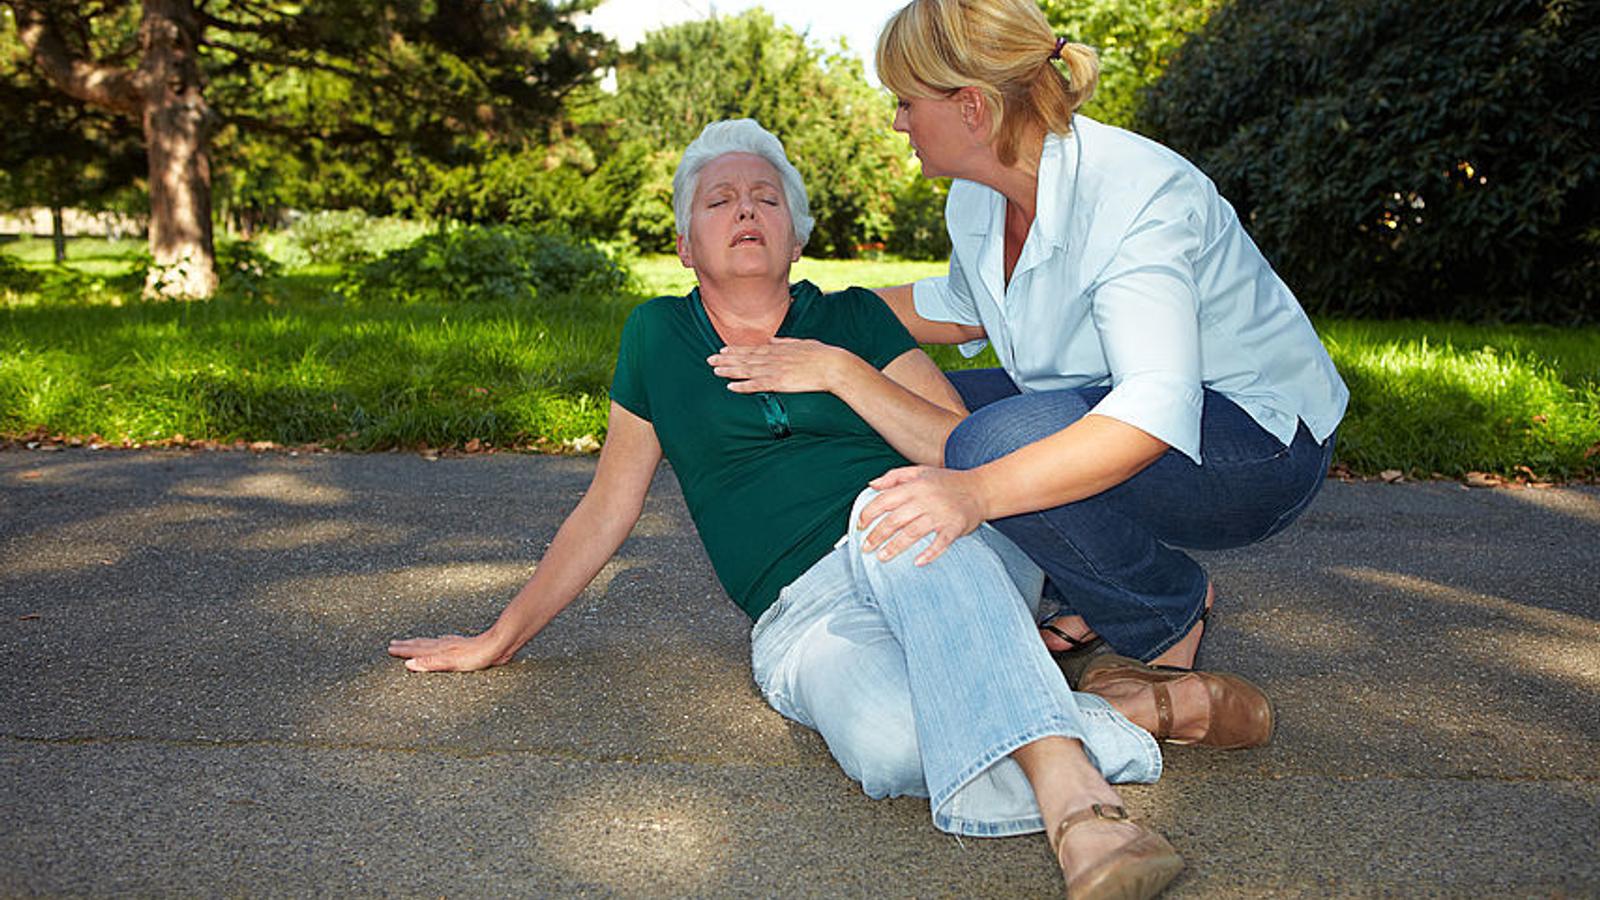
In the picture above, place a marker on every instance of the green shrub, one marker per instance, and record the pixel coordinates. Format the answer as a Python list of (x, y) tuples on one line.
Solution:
[(478, 263), (333, 235), (1400, 157), (17, 278), (243, 269), (339, 237), (1135, 40), (919, 230)]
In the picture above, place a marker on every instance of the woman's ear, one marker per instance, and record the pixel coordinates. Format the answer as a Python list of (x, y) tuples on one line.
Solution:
[(974, 109), (685, 255)]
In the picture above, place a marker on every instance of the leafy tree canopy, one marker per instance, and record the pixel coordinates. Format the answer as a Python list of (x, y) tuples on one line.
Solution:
[(1404, 157), (55, 152), (1135, 39), (367, 102), (356, 90), (833, 124)]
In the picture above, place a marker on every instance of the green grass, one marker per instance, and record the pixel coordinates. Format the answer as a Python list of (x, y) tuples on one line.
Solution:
[(91, 256), (1449, 398), (298, 364), (301, 366)]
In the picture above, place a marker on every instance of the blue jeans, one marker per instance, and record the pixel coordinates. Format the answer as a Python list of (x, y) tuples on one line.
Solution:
[(923, 679), (1113, 557)]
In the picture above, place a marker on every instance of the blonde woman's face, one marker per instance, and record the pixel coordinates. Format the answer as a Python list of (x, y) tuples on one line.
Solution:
[(938, 131)]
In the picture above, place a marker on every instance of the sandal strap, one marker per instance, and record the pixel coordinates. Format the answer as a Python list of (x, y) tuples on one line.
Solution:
[(1163, 711), (1073, 643), (1097, 812)]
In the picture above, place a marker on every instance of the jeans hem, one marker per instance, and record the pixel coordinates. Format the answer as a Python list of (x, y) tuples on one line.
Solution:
[(1002, 749)]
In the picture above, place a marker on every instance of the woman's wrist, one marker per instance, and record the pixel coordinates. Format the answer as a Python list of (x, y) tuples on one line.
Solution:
[(845, 371), (975, 484), (503, 638)]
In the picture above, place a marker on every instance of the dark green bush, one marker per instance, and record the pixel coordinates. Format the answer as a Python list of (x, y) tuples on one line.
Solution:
[(16, 277), (479, 263), (919, 229), (1401, 157), (243, 269)]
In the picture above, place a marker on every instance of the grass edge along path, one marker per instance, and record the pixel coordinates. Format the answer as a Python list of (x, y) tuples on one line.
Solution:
[(297, 366)]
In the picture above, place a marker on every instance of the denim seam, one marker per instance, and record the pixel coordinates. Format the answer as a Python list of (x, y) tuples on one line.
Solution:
[(1282, 451)]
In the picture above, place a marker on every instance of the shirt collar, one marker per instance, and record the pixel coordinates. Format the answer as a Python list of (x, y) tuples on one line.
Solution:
[(1058, 175)]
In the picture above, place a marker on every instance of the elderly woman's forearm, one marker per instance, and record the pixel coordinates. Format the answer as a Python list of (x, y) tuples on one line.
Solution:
[(909, 403), (592, 532), (586, 541)]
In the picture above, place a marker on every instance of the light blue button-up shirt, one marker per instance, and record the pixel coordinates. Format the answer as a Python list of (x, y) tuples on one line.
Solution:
[(1136, 274)]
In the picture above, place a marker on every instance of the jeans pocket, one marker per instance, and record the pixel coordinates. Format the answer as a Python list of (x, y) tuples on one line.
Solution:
[(1257, 453), (1318, 478)]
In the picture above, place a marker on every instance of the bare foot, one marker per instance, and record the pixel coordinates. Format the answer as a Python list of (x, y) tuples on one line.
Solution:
[(1073, 626)]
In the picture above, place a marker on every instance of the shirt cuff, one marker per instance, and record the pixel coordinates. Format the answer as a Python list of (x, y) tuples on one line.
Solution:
[(931, 299), (1166, 410)]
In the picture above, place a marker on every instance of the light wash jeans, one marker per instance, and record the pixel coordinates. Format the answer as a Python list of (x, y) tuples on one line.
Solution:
[(923, 680)]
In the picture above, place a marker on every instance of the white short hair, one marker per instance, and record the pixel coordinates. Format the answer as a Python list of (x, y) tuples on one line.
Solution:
[(739, 136)]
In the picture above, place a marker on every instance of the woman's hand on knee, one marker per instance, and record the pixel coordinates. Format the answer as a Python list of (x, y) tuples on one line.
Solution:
[(451, 653), (914, 502)]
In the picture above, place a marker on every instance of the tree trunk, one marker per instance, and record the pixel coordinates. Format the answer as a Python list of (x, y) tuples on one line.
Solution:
[(177, 129), (168, 97), (58, 234)]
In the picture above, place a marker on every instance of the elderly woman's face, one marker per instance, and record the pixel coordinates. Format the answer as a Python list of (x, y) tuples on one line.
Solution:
[(739, 222)]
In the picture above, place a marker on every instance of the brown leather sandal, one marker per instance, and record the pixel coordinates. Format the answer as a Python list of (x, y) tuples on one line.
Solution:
[(1137, 870), (1241, 714)]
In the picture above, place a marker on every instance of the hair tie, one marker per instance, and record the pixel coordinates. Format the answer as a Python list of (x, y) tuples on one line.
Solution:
[(1056, 53)]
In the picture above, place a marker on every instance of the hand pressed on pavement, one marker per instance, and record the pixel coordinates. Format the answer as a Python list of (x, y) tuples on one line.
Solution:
[(450, 653), (915, 501)]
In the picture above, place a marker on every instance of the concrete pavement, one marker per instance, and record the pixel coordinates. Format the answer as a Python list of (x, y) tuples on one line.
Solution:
[(196, 700)]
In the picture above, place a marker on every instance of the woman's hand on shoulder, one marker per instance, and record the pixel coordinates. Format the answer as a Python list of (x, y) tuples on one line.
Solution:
[(783, 365), (914, 502), (451, 653)]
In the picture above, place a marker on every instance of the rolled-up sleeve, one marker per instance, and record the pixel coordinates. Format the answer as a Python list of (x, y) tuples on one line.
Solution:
[(1146, 309), (946, 298)]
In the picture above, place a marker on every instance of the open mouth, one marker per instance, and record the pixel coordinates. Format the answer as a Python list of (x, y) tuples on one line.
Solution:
[(748, 237)]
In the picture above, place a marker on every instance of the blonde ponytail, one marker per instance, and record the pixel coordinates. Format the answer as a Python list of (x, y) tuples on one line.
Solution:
[(1003, 48)]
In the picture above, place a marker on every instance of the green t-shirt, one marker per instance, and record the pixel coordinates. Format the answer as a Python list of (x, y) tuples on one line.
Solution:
[(769, 478)]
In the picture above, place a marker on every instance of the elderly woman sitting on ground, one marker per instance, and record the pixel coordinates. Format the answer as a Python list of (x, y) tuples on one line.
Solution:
[(924, 679)]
